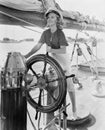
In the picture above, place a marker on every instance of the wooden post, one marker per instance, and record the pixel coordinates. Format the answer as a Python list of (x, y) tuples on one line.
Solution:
[(14, 109)]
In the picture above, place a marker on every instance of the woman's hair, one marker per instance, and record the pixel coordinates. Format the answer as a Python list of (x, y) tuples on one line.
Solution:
[(59, 22)]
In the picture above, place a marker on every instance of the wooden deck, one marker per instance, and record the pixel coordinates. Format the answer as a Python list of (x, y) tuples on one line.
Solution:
[(87, 102)]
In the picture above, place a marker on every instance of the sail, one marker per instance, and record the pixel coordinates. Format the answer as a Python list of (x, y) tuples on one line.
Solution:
[(31, 13)]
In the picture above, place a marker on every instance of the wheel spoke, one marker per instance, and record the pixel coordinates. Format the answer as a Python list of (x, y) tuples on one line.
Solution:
[(32, 87), (54, 80), (39, 101), (50, 93), (33, 71), (44, 69), (45, 64)]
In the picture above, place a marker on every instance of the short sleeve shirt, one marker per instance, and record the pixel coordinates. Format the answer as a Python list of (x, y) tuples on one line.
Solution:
[(54, 40)]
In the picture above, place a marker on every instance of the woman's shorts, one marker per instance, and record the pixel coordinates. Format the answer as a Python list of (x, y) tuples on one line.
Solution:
[(64, 61)]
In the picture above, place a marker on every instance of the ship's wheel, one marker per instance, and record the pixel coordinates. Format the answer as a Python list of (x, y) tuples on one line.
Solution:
[(49, 82)]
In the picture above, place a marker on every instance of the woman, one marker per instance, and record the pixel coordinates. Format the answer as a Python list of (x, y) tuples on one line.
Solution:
[(56, 44)]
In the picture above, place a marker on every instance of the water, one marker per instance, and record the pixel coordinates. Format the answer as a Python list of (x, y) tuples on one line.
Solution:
[(18, 33)]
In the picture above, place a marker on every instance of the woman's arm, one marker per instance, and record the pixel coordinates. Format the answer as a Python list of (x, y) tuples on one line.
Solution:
[(34, 50)]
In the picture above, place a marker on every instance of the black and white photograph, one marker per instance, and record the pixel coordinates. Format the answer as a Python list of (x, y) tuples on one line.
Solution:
[(52, 65)]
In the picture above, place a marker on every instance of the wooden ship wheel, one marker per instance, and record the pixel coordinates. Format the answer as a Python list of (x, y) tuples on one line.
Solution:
[(48, 80)]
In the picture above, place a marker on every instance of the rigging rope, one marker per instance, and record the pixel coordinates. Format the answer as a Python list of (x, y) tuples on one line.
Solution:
[(30, 29)]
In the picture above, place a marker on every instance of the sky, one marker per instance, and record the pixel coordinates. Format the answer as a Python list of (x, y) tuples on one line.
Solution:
[(94, 8)]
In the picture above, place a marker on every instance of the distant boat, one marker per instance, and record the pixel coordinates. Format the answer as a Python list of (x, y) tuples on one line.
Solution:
[(8, 40)]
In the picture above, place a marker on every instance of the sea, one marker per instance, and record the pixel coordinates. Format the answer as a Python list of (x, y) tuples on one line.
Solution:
[(20, 33)]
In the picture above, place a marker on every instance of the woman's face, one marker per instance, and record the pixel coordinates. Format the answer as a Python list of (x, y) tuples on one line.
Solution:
[(51, 19)]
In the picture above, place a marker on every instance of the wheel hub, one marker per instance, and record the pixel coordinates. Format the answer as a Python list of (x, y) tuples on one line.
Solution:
[(41, 83)]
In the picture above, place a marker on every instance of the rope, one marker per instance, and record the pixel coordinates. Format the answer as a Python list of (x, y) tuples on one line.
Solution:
[(30, 29)]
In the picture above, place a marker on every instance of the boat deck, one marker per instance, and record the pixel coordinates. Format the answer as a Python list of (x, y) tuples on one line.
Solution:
[(88, 100)]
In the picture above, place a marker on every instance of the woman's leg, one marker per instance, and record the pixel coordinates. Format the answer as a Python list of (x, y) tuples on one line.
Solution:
[(64, 61), (73, 101), (71, 92)]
